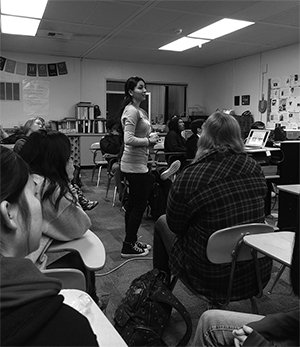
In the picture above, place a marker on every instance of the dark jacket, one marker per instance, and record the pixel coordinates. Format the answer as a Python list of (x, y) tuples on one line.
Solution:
[(32, 312), (191, 146), (220, 190), (174, 142), (275, 327)]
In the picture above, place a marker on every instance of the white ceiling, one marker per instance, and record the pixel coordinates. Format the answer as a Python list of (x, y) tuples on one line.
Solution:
[(134, 30)]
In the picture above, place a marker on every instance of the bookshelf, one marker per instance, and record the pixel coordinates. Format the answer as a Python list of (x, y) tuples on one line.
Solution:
[(80, 126), (84, 121)]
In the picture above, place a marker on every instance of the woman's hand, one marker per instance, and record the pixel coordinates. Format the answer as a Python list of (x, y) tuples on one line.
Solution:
[(240, 335), (153, 138)]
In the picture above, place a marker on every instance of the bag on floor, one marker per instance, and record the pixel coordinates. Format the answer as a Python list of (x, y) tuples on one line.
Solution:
[(145, 310)]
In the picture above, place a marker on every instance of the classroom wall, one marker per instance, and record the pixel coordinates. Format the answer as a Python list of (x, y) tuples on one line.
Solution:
[(212, 87), (86, 81), (244, 77)]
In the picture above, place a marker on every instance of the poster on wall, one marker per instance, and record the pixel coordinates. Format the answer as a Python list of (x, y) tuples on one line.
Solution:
[(35, 96), (285, 102)]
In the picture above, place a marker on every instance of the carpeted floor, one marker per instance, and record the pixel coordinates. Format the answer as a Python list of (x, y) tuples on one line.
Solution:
[(112, 282)]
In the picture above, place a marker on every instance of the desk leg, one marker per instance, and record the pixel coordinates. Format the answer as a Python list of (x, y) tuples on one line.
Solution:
[(277, 278)]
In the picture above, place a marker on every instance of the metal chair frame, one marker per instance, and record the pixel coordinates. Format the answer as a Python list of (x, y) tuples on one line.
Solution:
[(227, 246)]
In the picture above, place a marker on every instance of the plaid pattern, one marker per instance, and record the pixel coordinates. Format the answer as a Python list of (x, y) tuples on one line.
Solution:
[(220, 190)]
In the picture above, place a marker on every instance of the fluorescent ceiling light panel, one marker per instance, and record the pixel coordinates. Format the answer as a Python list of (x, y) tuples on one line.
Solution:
[(183, 44), (220, 28), (24, 8), (19, 25)]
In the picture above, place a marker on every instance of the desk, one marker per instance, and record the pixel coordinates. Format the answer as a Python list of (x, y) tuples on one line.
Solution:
[(288, 207), (276, 245), (107, 335), (89, 246), (10, 146)]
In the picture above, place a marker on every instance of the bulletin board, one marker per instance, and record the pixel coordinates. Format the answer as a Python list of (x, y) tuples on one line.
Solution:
[(284, 102)]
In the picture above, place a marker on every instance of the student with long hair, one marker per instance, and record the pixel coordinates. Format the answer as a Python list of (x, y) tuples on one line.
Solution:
[(48, 154), (134, 163), (32, 311), (221, 188)]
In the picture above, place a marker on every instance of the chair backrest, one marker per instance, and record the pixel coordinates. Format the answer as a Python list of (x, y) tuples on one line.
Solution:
[(223, 242), (97, 154), (70, 278)]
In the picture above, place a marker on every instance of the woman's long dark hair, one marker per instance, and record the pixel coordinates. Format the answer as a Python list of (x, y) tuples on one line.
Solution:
[(13, 179), (130, 84), (47, 153)]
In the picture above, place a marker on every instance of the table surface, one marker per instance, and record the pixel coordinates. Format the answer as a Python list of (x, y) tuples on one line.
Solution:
[(290, 188), (107, 335), (277, 245)]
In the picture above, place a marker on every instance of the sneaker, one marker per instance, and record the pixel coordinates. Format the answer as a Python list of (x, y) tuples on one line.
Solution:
[(130, 250), (174, 167), (143, 245), (90, 205)]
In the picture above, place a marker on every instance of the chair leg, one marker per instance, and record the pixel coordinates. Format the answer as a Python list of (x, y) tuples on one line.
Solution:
[(277, 278), (93, 173), (254, 307), (108, 184), (99, 175), (115, 195)]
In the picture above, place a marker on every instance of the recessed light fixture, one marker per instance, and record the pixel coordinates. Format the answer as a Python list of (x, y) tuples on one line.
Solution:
[(220, 28), (19, 25), (183, 44), (28, 8)]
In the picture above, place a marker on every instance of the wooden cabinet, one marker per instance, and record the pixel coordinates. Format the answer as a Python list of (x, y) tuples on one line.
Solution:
[(81, 144)]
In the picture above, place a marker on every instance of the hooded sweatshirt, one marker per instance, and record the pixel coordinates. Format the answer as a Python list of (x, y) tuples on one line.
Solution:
[(32, 311)]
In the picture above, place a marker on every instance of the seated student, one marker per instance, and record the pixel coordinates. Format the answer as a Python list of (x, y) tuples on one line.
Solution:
[(48, 156), (32, 311), (221, 188), (30, 126), (191, 142), (227, 328), (33, 125), (113, 144), (174, 142)]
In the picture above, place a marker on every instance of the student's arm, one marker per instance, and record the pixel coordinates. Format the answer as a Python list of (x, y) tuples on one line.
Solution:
[(66, 223), (269, 330), (277, 326), (131, 118)]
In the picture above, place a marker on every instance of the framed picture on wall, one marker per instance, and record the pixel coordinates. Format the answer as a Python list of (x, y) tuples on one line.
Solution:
[(245, 99), (237, 100)]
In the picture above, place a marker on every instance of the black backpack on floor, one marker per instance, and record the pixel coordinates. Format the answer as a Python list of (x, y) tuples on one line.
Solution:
[(145, 311)]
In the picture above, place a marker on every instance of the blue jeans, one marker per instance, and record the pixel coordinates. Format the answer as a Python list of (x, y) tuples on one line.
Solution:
[(215, 327), (140, 187)]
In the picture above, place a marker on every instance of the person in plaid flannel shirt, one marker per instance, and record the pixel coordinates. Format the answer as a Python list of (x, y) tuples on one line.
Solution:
[(221, 188)]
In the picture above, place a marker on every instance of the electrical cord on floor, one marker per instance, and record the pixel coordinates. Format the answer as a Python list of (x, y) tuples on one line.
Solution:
[(119, 266)]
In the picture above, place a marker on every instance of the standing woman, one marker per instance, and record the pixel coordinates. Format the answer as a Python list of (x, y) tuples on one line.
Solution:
[(137, 128)]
